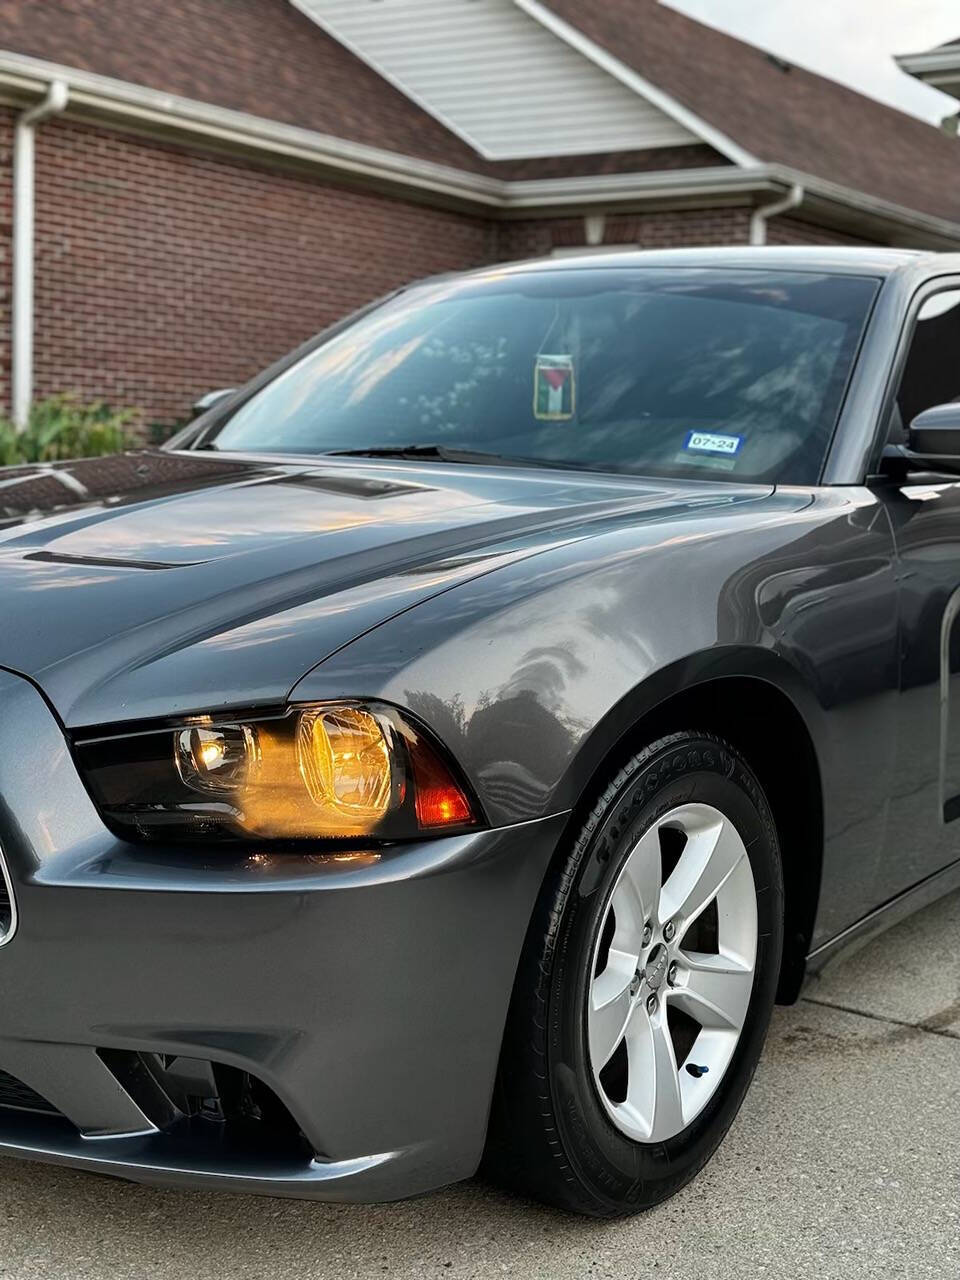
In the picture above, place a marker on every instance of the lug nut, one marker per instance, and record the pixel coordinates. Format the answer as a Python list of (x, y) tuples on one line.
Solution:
[(647, 933), (651, 1004), (669, 929), (672, 974)]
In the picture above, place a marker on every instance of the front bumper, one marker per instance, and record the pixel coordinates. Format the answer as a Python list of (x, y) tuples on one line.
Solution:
[(367, 993)]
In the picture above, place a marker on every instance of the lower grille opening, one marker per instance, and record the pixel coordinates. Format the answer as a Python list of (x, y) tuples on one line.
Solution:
[(17, 1096), (216, 1101)]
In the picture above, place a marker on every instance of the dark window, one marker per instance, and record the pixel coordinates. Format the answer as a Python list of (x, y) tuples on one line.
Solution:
[(681, 372), (932, 372)]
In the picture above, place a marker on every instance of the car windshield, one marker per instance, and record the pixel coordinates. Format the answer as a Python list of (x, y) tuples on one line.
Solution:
[(679, 372)]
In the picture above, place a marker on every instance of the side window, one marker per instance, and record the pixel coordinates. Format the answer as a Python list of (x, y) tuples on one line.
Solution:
[(932, 373)]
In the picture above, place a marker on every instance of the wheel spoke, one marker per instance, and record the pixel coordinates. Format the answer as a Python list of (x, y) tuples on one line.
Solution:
[(610, 1004), (653, 1081), (636, 898), (701, 980), (710, 856), (714, 989)]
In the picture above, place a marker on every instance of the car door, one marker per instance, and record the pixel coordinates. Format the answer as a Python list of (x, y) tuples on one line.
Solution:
[(924, 812)]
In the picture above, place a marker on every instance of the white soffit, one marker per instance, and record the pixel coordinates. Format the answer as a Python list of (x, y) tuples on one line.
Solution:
[(496, 77)]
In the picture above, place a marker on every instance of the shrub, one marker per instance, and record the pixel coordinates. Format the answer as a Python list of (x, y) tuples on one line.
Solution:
[(157, 433), (64, 427)]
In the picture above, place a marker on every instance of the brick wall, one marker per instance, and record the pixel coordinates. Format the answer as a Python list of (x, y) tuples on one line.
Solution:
[(793, 231), (259, 56), (662, 230), (161, 273)]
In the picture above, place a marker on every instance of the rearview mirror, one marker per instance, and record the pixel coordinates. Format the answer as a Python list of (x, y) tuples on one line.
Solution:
[(935, 433), (932, 444), (210, 399)]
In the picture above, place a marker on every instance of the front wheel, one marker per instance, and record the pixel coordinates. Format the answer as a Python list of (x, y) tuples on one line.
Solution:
[(646, 985)]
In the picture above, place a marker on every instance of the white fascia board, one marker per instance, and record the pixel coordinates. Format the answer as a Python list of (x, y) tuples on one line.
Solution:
[(940, 68), (633, 80), (885, 212), (945, 59), (118, 102), (726, 185), (93, 95), (715, 182)]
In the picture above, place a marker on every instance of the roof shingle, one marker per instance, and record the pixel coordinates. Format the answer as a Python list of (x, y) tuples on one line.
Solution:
[(782, 116), (267, 58), (258, 56)]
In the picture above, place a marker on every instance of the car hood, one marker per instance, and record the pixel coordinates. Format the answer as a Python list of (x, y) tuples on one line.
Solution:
[(156, 583)]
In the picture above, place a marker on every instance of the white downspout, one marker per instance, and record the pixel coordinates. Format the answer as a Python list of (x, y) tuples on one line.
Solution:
[(758, 221), (23, 247)]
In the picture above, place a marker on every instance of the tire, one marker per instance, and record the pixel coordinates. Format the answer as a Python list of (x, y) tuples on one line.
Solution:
[(560, 1131)]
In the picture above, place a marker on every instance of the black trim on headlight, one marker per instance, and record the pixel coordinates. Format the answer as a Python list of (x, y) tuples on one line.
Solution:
[(338, 771)]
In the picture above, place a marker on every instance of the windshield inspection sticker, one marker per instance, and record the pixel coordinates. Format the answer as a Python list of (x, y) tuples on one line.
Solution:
[(554, 388), (708, 442)]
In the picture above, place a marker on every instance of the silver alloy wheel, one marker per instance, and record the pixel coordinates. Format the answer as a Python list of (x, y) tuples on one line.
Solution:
[(652, 986)]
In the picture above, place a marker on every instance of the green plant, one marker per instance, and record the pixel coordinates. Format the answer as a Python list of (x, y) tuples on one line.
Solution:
[(64, 427), (158, 433)]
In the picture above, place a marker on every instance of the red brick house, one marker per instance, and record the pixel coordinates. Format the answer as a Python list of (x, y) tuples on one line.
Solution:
[(217, 179)]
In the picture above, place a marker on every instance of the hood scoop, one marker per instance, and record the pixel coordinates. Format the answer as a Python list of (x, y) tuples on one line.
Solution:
[(106, 562)]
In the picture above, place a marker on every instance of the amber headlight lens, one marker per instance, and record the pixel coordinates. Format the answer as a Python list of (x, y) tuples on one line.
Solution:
[(345, 761), (330, 772)]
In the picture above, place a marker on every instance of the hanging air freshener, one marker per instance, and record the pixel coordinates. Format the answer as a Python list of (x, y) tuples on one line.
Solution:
[(554, 388)]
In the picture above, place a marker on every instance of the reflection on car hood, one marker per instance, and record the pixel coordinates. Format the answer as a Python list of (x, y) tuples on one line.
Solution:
[(158, 582)]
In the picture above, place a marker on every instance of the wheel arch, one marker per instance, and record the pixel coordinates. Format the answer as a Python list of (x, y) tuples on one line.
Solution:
[(746, 698)]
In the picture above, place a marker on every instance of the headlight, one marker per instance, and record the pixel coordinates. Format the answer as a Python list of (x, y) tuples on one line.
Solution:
[(332, 771)]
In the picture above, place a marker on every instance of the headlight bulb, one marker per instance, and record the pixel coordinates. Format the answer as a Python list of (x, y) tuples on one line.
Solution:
[(215, 759)]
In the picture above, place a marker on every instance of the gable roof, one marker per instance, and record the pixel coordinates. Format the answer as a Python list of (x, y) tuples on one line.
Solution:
[(780, 114), (257, 56), (262, 76), (498, 78), (270, 60)]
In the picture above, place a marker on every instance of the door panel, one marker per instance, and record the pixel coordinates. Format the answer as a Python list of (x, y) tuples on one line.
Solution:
[(925, 516), (925, 803), (833, 605)]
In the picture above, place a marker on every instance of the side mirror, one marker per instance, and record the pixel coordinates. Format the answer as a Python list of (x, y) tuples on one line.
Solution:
[(935, 434), (212, 398)]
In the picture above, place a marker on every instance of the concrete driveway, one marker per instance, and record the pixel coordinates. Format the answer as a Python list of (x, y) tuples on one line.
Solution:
[(845, 1162)]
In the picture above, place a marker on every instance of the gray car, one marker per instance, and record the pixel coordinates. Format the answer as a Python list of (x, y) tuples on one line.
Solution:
[(450, 746)]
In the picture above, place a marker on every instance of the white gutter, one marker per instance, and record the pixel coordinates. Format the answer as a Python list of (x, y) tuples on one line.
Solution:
[(122, 105), (98, 98), (605, 191), (929, 64), (761, 216), (24, 138)]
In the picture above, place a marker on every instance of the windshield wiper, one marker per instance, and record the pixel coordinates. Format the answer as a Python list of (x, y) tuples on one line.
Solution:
[(439, 451)]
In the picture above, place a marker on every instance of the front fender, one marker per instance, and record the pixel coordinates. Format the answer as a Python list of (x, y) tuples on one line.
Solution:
[(530, 674), (533, 673), (684, 676)]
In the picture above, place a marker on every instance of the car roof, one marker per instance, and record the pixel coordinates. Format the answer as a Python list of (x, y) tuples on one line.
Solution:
[(839, 259)]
